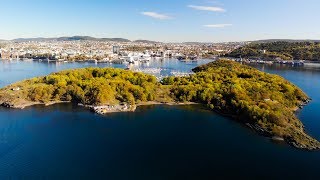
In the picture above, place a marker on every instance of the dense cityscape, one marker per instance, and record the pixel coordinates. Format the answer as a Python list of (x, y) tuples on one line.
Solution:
[(109, 51)]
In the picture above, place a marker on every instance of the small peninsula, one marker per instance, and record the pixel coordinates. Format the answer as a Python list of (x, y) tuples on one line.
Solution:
[(275, 50), (266, 103)]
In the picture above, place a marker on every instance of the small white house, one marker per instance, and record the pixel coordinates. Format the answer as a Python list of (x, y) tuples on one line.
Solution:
[(16, 89)]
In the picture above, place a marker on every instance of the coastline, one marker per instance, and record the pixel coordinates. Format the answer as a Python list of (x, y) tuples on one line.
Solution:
[(271, 115), (30, 104), (166, 103), (125, 107), (112, 108)]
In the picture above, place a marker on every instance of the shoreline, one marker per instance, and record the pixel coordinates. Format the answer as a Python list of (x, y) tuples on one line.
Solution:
[(125, 107), (255, 110), (166, 103), (30, 104)]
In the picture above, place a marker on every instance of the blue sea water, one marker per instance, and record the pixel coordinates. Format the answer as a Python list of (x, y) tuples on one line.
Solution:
[(64, 141)]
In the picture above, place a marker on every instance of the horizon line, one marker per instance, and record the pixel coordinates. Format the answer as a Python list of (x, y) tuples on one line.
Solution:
[(141, 39)]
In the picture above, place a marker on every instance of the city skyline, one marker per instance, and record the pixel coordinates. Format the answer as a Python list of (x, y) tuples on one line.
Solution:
[(165, 21)]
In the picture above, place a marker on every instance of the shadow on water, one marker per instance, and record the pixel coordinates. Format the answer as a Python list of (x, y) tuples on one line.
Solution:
[(155, 142)]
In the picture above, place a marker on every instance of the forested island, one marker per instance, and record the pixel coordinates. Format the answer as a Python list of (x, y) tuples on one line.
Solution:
[(264, 102), (279, 50)]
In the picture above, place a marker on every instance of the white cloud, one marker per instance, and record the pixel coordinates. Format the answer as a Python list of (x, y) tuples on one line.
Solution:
[(207, 8), (156, 15), (217, 25)]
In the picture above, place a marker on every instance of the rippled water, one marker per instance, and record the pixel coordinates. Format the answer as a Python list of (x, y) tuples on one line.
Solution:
[(155, 142)]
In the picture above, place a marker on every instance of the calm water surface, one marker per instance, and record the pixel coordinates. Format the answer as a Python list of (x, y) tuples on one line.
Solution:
[(155, 142), (12, 71)]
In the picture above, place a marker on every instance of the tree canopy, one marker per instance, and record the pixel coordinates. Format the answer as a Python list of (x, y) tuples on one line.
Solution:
[(280, 49), (92, 86), (250, 96)]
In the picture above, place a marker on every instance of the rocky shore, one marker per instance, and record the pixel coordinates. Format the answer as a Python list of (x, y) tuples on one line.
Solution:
[(126, 107), (24, 104), (105, 109), (99, 109)]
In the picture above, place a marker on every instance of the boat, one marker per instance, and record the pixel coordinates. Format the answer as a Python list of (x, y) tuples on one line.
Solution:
[(144, 57), (45, 60), (158, 58), (92, 61), (26, 59), (193, 58), (117, 61), (132, 58), (180, 58)]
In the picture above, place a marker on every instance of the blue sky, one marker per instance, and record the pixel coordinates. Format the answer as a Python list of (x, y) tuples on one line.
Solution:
[(162, 20)]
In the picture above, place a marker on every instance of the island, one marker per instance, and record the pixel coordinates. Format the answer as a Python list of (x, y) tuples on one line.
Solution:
[(264, 102), (101, 89)]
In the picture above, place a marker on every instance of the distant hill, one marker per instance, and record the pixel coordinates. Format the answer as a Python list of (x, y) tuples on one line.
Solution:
[(115, 39), (196, 43), (146, 41), (33, 39), (297, 50), (73, 38), (285, 40)]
